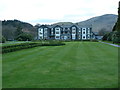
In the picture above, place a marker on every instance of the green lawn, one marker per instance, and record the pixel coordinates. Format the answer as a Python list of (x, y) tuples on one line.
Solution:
[(74, 65)]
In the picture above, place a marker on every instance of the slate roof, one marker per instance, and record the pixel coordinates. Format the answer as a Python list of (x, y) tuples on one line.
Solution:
[(68, 26)]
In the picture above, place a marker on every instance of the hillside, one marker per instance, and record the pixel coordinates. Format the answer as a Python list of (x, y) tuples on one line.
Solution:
[(9, 28), (98, 23), (65, 23), (105, 22)]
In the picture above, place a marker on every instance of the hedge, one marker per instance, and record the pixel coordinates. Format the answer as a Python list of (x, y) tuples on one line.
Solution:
[(11, 48)]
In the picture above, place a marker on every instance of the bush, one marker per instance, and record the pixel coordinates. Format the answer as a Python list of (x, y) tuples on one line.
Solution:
[(16, 47), (94, 40), (105, 37), (109, 36), (24, 37), (3, 39), (116, 37)]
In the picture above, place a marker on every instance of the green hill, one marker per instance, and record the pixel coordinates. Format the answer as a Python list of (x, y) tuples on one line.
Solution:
[(9, 28)]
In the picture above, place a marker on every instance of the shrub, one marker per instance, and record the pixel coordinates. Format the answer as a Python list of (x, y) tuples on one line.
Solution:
[(16, 47), (94, 40), (24, 37), (116, 37), (3, 39), (109, 36), (105, 37)]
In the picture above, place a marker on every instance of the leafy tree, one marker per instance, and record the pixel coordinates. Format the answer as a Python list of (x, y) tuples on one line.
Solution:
[(24, 37), (116, 29), (109, 37), (118, 21), (116, 37), (105, 37), (2, 39), (18, 31)]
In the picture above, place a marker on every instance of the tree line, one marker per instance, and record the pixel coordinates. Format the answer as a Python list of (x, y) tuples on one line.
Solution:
[(114, 36)]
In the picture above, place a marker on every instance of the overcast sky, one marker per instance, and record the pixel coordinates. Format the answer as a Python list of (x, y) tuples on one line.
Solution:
[(52, 11)]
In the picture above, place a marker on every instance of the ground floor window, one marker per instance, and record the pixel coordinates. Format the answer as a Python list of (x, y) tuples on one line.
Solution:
[(57, 36)]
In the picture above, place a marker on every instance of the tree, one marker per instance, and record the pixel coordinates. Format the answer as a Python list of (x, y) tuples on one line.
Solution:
[(105, 37), (118, 20), (109, 37), (18, 31), (2, 39), (116, 37), (116, 29), (24, 37)]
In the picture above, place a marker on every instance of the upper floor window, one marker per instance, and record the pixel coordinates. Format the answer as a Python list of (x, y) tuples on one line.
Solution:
[(83, 32), (57, 28), (73, 28), (45, 29), (57, 32), (57, 37), (73, 32)]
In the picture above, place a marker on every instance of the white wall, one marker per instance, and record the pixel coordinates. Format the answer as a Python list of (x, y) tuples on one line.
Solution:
[(73, 33), (84, 33), (40, 33), (57, 33), (45, 33)]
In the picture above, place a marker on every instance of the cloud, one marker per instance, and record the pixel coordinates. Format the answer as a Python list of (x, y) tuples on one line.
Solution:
[(48, 11)]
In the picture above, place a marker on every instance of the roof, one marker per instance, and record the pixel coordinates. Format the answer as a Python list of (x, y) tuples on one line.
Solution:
[(67, 26)]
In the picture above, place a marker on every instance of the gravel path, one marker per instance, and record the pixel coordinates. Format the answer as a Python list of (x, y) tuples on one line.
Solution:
[(111, 44)]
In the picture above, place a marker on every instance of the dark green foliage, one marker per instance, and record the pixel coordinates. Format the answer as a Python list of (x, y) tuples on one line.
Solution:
[(11, 48), (3, 39), (24, 37), (109, 36), (105, 37), (94, 40), (114, 27), (10, 28), (117, 25), (18, 31), (116, 37), (118, 21), (16, 47)]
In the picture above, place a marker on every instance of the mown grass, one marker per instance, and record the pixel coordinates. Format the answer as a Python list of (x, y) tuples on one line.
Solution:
[(74, 65)]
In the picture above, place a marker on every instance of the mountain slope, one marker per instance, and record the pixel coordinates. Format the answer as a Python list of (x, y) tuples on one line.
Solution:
[(105, 22)]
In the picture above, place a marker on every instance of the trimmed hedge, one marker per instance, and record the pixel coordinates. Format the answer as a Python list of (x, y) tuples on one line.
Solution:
[(16, 47)]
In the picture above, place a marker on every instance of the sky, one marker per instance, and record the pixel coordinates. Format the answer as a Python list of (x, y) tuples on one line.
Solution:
[(52, 11)]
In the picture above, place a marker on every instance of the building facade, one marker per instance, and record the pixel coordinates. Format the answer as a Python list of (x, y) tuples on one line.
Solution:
[(65, 32)]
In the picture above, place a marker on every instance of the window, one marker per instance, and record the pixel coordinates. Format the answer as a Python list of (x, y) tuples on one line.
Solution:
[(40, 37), (73, 32), (66, 28), (57, 28), (83, 36), (83, 32), (57, 33), (40, 32), (88, 36), (65, 32), (57, 37)]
